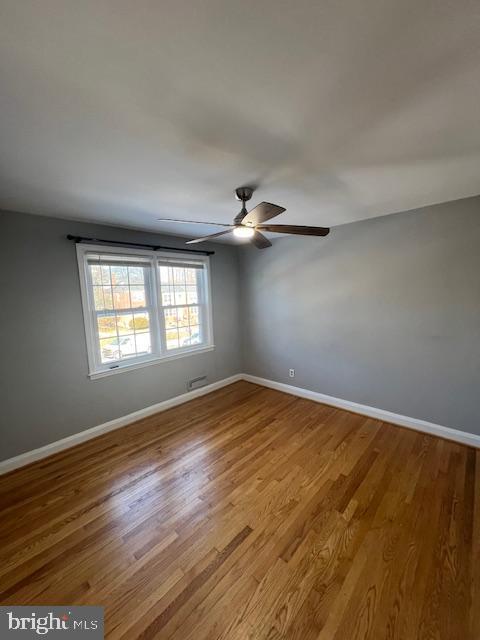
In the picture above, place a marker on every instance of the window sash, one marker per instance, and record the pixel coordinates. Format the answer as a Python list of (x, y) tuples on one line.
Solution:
[(118, 336), (200, 324), (150, 262), (150, 308), (202, 301)]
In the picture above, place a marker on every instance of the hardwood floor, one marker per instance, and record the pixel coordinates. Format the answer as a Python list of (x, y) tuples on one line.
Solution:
[(249, 513)]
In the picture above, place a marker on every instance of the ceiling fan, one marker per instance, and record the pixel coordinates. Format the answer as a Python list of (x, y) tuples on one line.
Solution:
[(250, 224)]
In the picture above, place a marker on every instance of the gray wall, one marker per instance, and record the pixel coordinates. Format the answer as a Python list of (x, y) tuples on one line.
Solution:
[(384, 312), (45, 393)]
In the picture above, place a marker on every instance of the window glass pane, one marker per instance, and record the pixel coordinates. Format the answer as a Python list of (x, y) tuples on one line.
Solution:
[(178, 275), (193, 316), (172, 339), (107, 298), (184, 336), (106, 326), (96, 274), (109, 350), (165, 275), (141, 322), (119, 275), (192, 296), (182, 317), (170, 318), (191, 276), (137, 296), (180, 295), (125, 323), (98, 298), (127, 346), (105, 274), (195, 336), (121, 298), (190, 336), (167, 296), (136, 275), (143, 342)]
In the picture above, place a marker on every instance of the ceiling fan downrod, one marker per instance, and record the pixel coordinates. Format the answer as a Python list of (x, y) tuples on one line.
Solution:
[(243, 194)]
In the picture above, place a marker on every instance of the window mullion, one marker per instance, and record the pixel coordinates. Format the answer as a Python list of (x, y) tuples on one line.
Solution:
[(159, 314)]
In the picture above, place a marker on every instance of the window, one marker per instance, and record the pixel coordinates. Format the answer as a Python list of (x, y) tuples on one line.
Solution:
[(142, 306), (183, 310)]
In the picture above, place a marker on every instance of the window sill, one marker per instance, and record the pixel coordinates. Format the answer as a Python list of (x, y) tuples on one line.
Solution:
[(95, 375)]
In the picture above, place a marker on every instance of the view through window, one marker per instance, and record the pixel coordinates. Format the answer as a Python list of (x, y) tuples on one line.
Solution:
[(122, 315), (143, 306), (180, 301)]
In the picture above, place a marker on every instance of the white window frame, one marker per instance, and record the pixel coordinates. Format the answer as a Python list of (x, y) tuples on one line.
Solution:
[(97, 369)]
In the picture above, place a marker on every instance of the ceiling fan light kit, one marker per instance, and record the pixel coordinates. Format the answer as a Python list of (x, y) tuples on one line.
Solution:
[(243, 232), (249, 224)]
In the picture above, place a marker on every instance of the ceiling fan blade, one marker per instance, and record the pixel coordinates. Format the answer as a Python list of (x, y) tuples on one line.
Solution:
[(294, 229), (217, 224), (260, 241), (205, 238), (260, 213)]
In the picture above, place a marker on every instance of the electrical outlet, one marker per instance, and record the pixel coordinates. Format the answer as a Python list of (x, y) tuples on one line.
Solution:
[(291, 373)]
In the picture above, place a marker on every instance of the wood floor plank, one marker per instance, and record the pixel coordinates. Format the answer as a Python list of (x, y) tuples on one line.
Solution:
[(250, 513)]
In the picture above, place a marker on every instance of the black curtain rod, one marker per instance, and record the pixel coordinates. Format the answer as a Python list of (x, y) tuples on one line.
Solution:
[(155, 247)]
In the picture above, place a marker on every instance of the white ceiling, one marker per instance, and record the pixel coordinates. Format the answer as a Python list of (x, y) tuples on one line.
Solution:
[(122, 111)]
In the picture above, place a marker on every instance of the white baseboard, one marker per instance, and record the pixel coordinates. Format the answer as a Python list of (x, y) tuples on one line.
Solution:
[(65, 443), (463, 437)]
